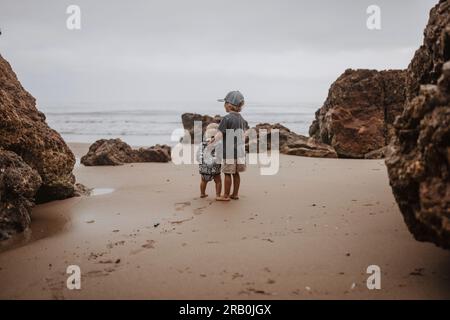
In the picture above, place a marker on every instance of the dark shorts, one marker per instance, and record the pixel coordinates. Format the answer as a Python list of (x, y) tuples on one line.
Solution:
[(209, 171)]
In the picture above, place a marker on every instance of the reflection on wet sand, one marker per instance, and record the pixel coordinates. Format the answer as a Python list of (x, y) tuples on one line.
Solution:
[(101, 191)]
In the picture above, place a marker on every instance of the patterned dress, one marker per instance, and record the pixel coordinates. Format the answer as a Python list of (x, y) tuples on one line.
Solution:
[(209, 165)]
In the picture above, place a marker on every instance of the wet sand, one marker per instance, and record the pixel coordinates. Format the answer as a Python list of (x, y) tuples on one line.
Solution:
[(308, 232)]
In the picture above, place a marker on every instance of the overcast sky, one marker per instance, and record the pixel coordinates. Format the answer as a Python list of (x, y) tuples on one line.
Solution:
[(285, 51)]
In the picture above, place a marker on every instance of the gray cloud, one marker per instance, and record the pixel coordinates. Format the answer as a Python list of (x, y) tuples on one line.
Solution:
[(287, 50)]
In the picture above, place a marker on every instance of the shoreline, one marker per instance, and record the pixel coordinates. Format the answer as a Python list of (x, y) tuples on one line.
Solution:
[(155, 239)]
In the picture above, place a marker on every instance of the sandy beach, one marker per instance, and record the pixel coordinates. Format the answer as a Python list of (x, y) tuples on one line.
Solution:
[(308, 232)]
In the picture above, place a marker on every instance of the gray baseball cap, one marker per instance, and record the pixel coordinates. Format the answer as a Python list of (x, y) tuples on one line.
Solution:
[(233, 97)]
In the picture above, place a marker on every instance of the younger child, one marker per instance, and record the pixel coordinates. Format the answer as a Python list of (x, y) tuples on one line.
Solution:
[(209, 164)]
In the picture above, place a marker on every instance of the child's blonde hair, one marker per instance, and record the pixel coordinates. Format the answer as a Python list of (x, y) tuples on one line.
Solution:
[(211, 130), (234, 108)]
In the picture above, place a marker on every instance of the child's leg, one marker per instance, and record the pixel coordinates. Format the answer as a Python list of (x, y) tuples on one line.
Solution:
[(236, 184), (226, 195), (227, 185), (203, 184), (218, 181)]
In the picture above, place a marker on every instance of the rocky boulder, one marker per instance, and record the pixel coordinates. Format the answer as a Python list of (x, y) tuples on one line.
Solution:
[(188, 120), (418, 157), (292, 143), (115, 152), (376, 154), (418, 162), (426, 65), (19, 184), (359, 111), (108, 152), (308, 147), (158, 153), (23, 130)]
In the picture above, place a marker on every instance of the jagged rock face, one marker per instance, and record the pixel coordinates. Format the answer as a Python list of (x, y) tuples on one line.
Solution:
[(418, 163), (24, 131), (158, 153), (360, 109), (376, 154), (18, 186), (188, 120), (426, 65), (292, 143), (115, 152), (308, 147), (418, 157), (112, 152), (394, 102)]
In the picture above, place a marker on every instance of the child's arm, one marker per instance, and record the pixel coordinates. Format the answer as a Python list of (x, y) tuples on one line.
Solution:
[(246, 129), (217, 137)]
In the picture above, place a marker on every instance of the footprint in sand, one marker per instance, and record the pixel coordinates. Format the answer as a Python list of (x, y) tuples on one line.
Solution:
[(96, 273), (149, 244), (109, 261), (249, 291), (113, 265), (181, 205), (112, 245), (56, 288), (180, 221), (95, 255), (296, 292), (237, 275), (417, 272), (199, 210)]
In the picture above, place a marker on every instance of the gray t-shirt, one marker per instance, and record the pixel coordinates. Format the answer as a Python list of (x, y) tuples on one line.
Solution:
[(235, 147)]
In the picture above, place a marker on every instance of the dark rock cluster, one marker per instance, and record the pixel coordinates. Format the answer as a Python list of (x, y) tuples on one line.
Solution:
[(18, 186), (292, 143), (113, 152)]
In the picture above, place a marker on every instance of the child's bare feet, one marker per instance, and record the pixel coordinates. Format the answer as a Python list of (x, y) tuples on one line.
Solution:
[(234, 197), (203, 195), (220, 198)]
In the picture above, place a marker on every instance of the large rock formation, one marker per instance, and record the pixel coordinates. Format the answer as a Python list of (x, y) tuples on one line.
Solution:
[(418, 157), (359, 111), (426, 66), (418, 163), (115, 152), (18, 186), (24, 131), (292, 143), (188, 120)]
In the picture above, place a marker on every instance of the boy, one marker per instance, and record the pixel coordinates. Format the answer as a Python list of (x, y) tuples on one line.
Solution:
[(232, 131)]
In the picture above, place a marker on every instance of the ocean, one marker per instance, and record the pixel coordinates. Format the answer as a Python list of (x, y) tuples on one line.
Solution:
[(146, 124)]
